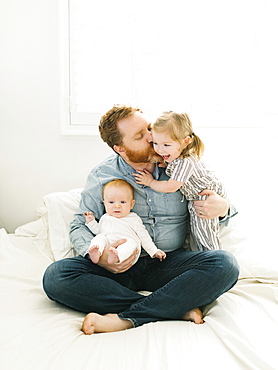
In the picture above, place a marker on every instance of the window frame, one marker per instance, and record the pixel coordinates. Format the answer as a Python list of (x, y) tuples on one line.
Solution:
[(89, 127), (68, 114)]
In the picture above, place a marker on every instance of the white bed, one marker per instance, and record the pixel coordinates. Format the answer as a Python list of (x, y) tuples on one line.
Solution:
[(240, 329)]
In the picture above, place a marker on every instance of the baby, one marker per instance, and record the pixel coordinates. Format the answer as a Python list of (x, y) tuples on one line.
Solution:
[(117, 223)]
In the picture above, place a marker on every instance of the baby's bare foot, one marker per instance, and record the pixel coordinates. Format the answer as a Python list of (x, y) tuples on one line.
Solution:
[(94, 253), (95, 323), (194, 315), (113, 256)]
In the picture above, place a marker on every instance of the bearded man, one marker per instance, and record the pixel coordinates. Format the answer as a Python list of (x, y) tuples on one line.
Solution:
[(181, 284)]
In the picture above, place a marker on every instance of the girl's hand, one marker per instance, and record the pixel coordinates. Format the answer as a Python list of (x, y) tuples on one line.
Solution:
[(143, 177)]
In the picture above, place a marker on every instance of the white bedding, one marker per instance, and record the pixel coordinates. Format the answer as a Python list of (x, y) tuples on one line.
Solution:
[(240, 330)]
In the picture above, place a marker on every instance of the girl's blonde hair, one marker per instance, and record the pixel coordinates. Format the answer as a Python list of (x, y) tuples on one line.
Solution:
[(179, 126)]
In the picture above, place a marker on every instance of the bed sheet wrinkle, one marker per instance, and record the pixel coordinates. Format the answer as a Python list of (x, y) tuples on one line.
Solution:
[(261, 295), (248, 356), (38, 230), (20, 282), (245, 328), (22, 262), (110, 349), (41, 337)]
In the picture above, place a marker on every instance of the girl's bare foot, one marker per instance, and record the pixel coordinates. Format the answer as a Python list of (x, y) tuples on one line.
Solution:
[(113, 256), (95, 323), (194, 315), (94, 253)]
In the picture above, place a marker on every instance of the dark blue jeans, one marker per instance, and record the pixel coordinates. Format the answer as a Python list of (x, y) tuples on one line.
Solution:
[(183, 281)]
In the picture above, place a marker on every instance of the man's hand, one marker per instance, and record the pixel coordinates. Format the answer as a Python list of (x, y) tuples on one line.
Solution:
[(119, 267), (212, 207)]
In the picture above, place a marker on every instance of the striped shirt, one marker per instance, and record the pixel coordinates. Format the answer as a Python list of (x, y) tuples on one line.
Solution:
[(195, 177)]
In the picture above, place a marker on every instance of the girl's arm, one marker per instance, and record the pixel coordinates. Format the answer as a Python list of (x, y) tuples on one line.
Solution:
[(146, 178)]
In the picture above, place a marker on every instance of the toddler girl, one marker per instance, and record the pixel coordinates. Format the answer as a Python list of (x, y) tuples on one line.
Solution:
[(175, 141)]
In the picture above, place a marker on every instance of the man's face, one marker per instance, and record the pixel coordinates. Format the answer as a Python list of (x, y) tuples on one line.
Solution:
[(137, 139)]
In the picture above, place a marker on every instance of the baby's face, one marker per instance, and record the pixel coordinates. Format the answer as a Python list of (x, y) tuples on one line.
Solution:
[(118, 201)]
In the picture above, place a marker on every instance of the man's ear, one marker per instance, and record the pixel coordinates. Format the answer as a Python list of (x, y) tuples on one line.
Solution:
[(118, 149)]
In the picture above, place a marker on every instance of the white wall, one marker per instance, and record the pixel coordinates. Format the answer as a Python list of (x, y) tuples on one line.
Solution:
[(35, 159)]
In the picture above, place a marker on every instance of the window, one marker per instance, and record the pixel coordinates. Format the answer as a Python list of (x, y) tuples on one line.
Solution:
[(215, 60)]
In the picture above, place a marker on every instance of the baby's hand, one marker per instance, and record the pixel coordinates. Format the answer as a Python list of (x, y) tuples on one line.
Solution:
[(89, 216), (143, 177), (160, 254)]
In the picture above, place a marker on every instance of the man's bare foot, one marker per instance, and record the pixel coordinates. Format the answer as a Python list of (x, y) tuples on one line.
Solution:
[(94, 253), (95, 323), (194, 315), (113, 256)]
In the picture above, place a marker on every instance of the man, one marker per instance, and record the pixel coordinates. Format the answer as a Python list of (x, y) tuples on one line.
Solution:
[(181, 284)]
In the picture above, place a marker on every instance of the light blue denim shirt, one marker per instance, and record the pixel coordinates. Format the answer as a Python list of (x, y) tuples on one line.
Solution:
[(164, 215)]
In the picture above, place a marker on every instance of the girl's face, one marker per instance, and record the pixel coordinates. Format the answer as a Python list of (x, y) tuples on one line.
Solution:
[(165, 146)]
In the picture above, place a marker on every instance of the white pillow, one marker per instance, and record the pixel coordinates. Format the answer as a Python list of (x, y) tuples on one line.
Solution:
[(38, 230), (61, 207)]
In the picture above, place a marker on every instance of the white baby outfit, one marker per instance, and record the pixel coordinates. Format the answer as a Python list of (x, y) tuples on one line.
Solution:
[(110, 229)]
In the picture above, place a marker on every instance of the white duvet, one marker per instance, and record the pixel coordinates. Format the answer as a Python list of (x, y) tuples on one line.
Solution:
[(240, 330)]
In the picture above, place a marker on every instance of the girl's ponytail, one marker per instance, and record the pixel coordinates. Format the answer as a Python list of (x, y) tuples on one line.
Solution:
[(195, 147)]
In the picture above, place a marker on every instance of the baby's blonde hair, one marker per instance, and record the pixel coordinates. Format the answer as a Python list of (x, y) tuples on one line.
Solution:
[(118, 183), (179, 126)]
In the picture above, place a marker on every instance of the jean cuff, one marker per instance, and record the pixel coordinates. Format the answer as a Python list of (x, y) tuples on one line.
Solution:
[(133, 321)]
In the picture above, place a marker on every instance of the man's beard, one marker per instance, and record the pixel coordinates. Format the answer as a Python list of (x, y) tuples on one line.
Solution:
[(143, 156)]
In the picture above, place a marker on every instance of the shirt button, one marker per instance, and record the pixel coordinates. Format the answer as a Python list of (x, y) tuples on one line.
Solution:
[(150, 200)]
